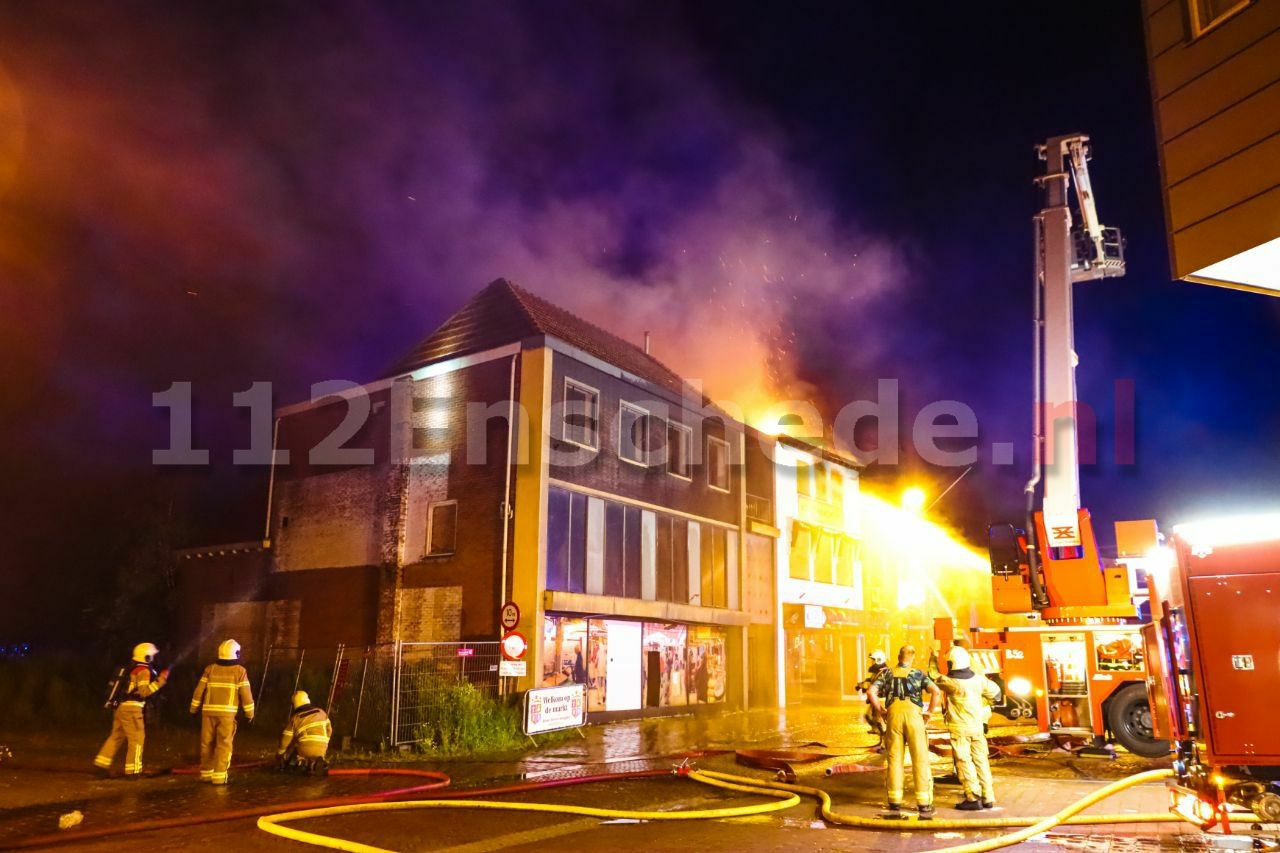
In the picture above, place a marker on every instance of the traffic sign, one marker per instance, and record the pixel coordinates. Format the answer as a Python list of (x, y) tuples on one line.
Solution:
[(514, 645), (510, 617)]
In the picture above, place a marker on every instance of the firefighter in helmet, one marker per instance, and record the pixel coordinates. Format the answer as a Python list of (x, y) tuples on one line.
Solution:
[(968, 694), (874, 721), (222, 691), (134, 684), (306, 737)]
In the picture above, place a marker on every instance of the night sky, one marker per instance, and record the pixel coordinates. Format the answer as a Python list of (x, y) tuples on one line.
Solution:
[(797, 200)]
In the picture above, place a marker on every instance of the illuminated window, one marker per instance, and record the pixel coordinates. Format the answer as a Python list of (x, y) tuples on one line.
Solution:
[(442, 528), (1207, 14), (581, 414), (718, 464)]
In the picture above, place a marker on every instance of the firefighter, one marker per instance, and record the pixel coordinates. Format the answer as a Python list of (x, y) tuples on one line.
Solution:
[(967, 696), (306, 737), (222, 691), (134, 684), (874, 721), (898, 695)]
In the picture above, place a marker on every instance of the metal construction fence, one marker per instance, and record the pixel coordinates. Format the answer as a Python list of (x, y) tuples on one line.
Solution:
[(383, 694), (427, 673)]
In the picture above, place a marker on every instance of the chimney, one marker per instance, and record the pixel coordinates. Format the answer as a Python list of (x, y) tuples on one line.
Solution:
[(646, 343)]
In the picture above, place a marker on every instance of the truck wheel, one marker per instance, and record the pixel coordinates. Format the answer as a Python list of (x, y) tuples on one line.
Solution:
[(1129, 718), (1267, 808)]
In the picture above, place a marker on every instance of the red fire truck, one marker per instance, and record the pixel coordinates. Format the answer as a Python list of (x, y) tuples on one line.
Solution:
[(1213, 649)]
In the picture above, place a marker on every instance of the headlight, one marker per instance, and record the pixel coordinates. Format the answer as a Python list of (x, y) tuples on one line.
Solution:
[(1020, 687)]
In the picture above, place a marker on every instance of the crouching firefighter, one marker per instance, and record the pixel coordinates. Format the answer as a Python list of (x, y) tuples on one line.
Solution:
[(305, 740), (134, 683)]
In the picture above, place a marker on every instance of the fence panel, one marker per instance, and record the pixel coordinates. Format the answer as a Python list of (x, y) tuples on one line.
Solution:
[(427, 670), (359, 699)]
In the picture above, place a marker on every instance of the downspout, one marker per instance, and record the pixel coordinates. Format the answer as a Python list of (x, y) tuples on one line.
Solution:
[(506, 490), (271, 485)]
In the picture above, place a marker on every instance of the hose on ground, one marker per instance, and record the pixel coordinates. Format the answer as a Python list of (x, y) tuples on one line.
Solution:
[(1030, 826), (274, 823)]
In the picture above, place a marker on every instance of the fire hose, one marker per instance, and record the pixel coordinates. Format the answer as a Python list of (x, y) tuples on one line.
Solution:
[(1031, 826)]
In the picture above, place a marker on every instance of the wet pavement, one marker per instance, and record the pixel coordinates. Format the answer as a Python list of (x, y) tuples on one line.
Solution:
[(48, 778)]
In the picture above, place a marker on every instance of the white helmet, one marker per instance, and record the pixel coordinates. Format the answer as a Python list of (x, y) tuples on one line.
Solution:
[(877, 656), (958, 657), (229, 650), (145, 653), (301, 698)]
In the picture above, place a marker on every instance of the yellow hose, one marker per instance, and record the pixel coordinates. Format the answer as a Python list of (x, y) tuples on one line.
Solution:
[(788, 795), (1033, 826), (271, 823)]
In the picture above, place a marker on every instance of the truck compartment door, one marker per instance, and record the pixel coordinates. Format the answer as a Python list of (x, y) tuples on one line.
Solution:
[(1238, 660)]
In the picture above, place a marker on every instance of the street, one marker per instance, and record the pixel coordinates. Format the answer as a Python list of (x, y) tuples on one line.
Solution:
[(46, 780)]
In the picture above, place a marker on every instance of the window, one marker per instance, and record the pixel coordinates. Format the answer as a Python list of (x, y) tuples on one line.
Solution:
[(822, 482), (679, 449), (1207, 14), (442, 528), (804, 478), (581, 415), (634, 441), (718, 464), (566, 540)]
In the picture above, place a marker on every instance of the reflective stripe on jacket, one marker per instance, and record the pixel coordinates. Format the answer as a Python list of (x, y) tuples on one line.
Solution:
[(142, 684), (309, 724), (223, 690)]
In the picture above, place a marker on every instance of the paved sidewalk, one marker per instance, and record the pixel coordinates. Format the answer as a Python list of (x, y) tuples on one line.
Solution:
[(48, 777)]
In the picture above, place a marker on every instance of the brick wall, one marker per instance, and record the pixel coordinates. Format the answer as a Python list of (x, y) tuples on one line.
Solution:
[(604, 470), (457, 458), (431, 614)]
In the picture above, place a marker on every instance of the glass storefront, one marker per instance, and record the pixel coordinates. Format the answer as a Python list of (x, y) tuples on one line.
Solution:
[(629, 665)]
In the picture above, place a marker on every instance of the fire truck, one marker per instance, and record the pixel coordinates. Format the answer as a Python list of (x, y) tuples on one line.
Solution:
[(1077, 663), (1213, 655)]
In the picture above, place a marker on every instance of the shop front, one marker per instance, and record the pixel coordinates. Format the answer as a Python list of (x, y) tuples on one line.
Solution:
[(633, 666), (826, 651)]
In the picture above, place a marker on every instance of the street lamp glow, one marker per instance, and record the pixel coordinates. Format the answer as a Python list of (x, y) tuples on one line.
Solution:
[(913, 500)]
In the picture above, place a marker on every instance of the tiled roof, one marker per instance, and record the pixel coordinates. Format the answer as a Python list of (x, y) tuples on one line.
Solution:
[(503, 314)]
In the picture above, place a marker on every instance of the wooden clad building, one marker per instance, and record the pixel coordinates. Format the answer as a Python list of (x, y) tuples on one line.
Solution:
[(1215, 82)]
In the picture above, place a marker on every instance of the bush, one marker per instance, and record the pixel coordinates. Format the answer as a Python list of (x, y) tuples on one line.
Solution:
[(464, 720)]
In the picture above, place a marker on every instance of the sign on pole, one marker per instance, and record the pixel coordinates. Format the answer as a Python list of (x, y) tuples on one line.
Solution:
[(514, 645), (510, 616), (547, 709)]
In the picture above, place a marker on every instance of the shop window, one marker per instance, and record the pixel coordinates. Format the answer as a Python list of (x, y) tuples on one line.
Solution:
[(705, 670), (663, 675)]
